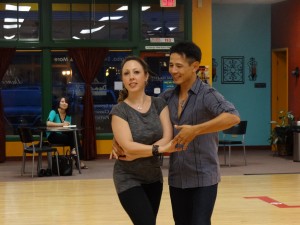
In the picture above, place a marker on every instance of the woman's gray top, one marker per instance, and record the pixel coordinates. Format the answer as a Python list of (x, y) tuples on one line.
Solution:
[(145, 128)]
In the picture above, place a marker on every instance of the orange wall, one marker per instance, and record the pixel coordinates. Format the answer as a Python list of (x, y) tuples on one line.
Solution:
[(286, 34)]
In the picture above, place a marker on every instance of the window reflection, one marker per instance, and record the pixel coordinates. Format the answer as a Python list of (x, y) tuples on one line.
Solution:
[(61, 14), (19, 21), (162, 22), (21, 91), (104, 90), (89, 21)]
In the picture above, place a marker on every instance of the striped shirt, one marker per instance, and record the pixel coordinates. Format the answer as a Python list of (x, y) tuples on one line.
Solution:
[(199, 165)]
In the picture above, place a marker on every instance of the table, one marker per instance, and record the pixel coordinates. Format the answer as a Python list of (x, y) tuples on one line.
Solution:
[(61, 129)]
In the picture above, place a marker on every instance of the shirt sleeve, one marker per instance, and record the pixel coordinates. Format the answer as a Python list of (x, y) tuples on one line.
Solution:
[(51, 116), (160, 103), (217, 104), (119, 111)]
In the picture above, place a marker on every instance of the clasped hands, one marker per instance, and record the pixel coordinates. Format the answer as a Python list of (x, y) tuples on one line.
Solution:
[(179, 143), (65, 123)]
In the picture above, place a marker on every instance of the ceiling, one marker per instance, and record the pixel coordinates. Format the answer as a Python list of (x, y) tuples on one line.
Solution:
[(246, 1)]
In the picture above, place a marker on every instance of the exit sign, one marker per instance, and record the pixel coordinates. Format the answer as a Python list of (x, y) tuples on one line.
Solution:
[(167, 3)]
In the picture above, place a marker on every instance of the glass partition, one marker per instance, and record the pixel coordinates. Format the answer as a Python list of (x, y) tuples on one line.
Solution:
[(105, 88), (19, 21), (158, 22), (21, 91), (82, 21)]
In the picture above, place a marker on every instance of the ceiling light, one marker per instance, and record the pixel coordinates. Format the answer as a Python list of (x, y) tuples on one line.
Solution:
[(9, 37), (13, 20), (170, 28), (74, 37), (105, 18), (88, 31), (123, 8), (144, 8), (12, 26), (16, 8)]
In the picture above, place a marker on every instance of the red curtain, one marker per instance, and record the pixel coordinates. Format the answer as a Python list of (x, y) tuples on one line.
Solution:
[(6, 55), (88, 62)]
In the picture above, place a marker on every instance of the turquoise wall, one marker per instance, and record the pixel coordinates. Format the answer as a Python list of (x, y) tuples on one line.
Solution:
[(245, 30)]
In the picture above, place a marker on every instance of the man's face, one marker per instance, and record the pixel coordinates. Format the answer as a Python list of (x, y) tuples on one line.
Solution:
[(180, 69)]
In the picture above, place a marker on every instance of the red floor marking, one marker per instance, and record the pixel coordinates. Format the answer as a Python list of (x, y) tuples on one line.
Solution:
[(274, 202)]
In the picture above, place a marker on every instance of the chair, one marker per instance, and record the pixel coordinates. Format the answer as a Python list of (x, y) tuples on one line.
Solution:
[(64, 147), (29, 147), (234, 136)]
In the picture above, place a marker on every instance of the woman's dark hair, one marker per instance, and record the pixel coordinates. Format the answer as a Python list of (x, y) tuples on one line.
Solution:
[(58, 102), (123, 94), (188, 49)]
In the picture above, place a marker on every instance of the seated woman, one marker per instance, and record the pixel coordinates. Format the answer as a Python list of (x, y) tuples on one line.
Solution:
[(60, 117)]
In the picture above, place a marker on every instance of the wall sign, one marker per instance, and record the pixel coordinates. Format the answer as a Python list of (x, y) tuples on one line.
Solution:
[(167, 3)]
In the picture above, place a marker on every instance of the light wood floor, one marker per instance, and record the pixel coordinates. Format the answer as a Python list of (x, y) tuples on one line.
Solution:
[(274, 199)]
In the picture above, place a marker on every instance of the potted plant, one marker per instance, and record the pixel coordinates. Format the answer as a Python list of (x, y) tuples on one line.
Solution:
[(282, 135)]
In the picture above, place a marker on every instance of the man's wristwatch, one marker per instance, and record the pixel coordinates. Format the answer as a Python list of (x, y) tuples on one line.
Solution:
[(155, 151)]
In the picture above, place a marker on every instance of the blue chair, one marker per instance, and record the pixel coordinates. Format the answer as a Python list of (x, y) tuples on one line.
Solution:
[(234, 136)]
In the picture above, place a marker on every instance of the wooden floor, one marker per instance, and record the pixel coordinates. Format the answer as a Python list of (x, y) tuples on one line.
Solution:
[(247, 200)]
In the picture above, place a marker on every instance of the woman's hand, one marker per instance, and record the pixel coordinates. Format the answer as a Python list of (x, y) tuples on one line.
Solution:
[(65, 123), (116, 151), (170, 147)]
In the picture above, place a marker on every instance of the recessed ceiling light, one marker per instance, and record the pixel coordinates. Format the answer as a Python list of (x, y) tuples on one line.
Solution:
[(12, 26), (9, 37), (106, 18), (144, 8), (123, 8), (16, 8), (88, 31), (13, 20)]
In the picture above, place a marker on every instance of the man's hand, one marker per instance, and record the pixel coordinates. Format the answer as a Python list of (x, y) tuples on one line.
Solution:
[(185, 136)]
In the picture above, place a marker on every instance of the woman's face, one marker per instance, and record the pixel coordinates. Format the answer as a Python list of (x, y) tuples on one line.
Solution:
[(134, 76), (63, 104)]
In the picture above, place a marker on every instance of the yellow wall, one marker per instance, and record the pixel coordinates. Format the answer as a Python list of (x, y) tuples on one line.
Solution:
[(14, 149), (104, 147), (201, 35), (202, 30)]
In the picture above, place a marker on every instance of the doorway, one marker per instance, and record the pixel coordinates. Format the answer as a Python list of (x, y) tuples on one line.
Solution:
[(279, 82)]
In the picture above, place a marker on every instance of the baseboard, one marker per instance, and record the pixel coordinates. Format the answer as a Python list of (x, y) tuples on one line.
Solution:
[(106, 156), (249, 147)]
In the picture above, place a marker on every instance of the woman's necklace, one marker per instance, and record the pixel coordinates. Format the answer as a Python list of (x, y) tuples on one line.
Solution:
[(140, 107)]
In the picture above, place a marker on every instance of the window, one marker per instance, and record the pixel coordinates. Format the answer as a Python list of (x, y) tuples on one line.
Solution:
[(68, 82), (19, 21), (90, 21), (21, 91), (162, 22)]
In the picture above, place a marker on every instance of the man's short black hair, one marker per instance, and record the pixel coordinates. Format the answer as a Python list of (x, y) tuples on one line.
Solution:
[(188, 49)]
